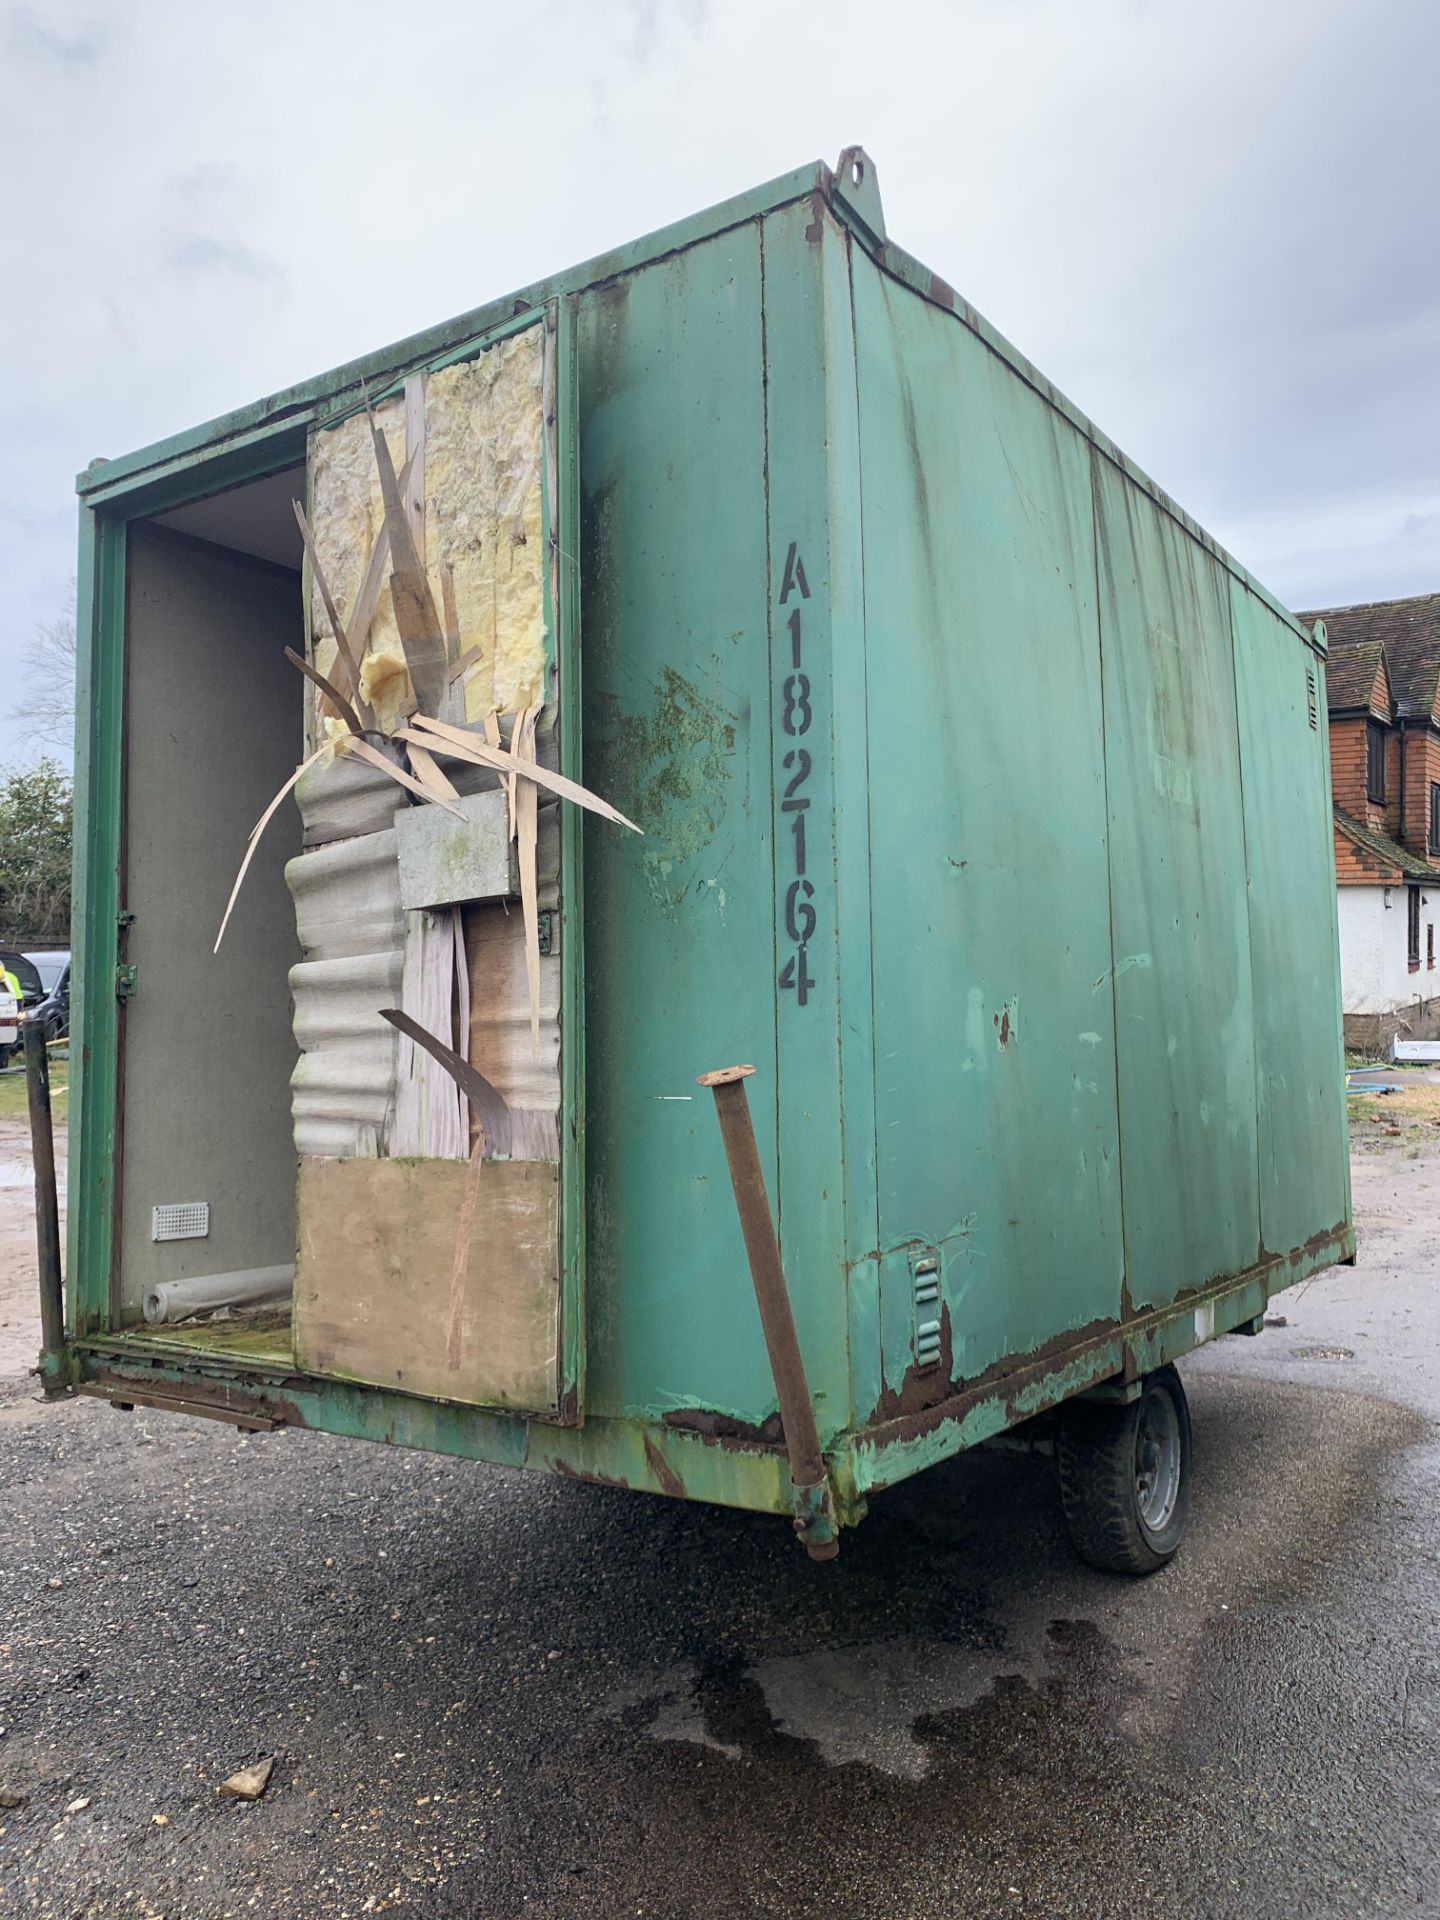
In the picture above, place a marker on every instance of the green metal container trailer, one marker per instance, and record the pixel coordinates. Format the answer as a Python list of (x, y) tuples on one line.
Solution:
[(983, 810)]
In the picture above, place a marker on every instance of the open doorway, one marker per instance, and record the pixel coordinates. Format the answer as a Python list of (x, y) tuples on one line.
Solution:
[(213, 726)]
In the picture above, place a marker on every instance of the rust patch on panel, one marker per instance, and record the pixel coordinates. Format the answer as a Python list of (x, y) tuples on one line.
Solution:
[(669, 1481), (211, 1399), (724, 1430), (929, 1395), (928, 1399), (1318, 1243)]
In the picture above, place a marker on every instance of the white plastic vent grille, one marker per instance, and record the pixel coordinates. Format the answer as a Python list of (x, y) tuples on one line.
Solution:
[(927, 1312), (189, 1220)]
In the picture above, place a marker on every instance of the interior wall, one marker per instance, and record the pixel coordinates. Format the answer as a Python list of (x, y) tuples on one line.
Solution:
[(213, 728)]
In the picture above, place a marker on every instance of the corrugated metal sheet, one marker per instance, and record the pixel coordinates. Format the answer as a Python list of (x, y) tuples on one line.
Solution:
[(352, 932)]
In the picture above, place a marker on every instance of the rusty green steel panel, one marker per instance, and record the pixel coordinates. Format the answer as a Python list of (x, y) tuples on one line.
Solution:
[(815, 773), (1303, 1130), (850, 779), (679, 925), (1184, 1014), (995, 1116)]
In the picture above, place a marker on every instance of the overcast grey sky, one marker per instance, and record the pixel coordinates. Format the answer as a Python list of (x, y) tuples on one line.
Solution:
[(1214, 226)]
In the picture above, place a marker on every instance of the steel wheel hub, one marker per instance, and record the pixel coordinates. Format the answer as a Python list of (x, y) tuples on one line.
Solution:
[(1157, 1460)]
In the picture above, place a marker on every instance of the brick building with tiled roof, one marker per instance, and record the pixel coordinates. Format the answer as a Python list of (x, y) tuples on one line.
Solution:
[(1383, 692)]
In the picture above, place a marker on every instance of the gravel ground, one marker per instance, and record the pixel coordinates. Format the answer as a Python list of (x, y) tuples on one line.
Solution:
[(489, 1694)]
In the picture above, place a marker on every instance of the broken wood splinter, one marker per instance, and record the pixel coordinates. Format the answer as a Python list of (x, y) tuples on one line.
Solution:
[(416, 616), (332, 614), (343, 707), (354, 744), (459, 745), (255, 833), (491, 1107)]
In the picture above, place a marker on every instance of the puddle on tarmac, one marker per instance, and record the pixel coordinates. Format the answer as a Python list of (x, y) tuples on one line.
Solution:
[(18, 1173), (870, 1705)]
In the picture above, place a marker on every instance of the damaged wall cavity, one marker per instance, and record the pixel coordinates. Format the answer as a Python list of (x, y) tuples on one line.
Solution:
[(415, 1268), (482, 466)]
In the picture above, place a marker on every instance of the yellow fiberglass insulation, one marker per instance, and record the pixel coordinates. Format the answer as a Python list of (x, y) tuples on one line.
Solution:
[(385, 682), (484, 433), (484, 428)]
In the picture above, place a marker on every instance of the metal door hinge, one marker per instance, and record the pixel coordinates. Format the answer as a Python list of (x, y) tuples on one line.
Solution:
[(125, 983), (124, 918), (548, 942)]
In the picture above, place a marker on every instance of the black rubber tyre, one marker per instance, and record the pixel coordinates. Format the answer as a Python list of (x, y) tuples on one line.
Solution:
[(1125, 1476)]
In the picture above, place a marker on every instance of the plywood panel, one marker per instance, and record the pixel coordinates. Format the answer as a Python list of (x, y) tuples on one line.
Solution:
[(445, 862), (373, 1279)]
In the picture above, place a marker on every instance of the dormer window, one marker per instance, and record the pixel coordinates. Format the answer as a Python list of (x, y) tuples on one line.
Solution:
[(1375, 763)]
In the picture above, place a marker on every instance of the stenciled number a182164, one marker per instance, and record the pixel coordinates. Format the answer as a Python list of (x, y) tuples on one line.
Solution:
[(796, 716)]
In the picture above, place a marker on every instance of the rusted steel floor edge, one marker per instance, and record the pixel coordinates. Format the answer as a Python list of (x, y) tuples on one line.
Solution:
[(1033, 1388), (643, 1457)]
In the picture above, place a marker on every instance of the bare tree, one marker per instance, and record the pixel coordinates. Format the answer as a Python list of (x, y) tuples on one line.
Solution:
[(48, 678)]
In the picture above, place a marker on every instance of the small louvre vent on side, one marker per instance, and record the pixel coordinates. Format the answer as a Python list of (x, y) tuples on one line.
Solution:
[(1310, 699), (927, 1312)]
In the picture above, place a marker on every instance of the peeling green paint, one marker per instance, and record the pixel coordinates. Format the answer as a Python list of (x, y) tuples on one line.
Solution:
[(669, 776)]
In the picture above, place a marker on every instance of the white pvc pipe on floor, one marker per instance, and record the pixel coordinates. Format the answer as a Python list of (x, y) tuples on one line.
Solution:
[(171, 1300)]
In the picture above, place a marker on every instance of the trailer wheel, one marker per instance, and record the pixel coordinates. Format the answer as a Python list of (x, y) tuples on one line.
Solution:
[(1125, 1476)]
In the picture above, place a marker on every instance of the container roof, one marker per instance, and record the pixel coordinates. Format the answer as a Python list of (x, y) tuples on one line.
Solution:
[(851, 191)]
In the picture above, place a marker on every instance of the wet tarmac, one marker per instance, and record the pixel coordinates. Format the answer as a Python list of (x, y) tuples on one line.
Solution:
[(495, 1695)]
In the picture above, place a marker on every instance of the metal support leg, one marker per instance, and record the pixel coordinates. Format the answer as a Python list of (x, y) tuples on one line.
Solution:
[(810, 1484), (47, 1207)]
